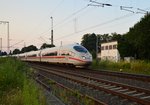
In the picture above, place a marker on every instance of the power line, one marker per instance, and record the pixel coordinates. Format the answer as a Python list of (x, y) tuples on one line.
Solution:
[(50, 13), (17, 43), (104, 23), (65, 19), (98, 25), (98, 4), (57, 6), (78, 11), (125, 8)]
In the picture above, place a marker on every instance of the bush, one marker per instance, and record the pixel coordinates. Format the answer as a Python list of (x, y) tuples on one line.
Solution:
[(140, 67), (15, 87)]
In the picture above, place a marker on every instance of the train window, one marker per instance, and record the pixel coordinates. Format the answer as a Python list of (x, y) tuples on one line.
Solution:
[(34, 55), (50, 54), (65, 53), (80, 49), (21, 56)]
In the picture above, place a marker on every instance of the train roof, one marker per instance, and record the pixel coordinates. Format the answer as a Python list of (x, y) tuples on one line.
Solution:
[(69, 46), (33, 52)]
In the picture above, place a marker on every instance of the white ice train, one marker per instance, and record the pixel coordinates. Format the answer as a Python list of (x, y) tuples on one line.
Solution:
[(73, 54)]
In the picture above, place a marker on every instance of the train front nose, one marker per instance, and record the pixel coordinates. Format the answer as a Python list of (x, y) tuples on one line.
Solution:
[(87, 58)]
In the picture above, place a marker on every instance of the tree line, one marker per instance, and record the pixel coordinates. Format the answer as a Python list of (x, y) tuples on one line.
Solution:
[(134, 43), (26, 49)]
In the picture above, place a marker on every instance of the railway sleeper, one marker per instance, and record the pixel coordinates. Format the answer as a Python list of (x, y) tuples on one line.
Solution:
[(104, 85), (117, 88), (107, 95), (110, 87), (88, 90), (145, 97), (130, 92), (122, 90), (138, 94)]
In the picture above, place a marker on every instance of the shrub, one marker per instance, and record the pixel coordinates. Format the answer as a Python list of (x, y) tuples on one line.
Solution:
[(140, 67), (15, 87)]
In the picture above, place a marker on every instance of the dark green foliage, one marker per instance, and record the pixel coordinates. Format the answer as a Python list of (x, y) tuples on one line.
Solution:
[(29, 48), (15, 87), (16, 51), (135, 43), (46, 46), (137, 67), (139, 36), (3, 53), (10, 75), (89, 42)]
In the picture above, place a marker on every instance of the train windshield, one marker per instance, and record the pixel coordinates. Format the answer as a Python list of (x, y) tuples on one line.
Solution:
[(80, 49)]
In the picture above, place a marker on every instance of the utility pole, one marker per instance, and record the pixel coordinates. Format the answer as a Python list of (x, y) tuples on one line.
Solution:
[(51, 30), (96, 47), (7, 34), (8, 37), (75, 25), (1, 44)]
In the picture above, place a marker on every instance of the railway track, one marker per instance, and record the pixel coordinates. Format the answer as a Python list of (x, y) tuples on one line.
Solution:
[(44, 81), (139, 77), (109, 92), (142, 81)]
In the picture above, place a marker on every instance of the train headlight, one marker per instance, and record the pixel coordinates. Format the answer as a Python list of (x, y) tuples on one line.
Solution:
[(83, 57)]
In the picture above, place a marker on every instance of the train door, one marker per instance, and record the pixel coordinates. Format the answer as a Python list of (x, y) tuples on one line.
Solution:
[(39, 55)]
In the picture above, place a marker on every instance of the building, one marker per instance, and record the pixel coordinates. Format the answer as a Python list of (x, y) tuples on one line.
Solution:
[(109, 51)]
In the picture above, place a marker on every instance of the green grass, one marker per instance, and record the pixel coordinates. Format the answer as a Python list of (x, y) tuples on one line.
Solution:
[(137, 67), (15, 87)]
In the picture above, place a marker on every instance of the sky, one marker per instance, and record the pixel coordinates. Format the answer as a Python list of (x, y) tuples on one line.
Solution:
[(30, 20)]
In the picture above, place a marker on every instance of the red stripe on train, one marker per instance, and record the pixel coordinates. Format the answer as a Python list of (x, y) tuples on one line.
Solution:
[(71, 58), (52, 57), (76, 59)]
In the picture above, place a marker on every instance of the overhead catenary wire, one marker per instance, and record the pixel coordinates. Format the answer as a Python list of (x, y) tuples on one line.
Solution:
[(78, 11), (50, 13), (65, 19), (73, 14), (101, 24), (125, 8), (98, 25)]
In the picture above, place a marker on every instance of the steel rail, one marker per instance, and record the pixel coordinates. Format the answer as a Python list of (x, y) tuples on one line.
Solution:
[(103, 81), (96, 102), (140, 77), (135, 99)]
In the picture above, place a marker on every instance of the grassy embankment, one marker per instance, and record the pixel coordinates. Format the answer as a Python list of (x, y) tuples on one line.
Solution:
[(137, 67), (15, 87)]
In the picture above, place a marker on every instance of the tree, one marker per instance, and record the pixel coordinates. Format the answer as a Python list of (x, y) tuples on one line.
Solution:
[(3, 53), (139, 36), (46, 46), (16, 51), (125, 48), (105, 38), (89, 42), (29, 48)]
